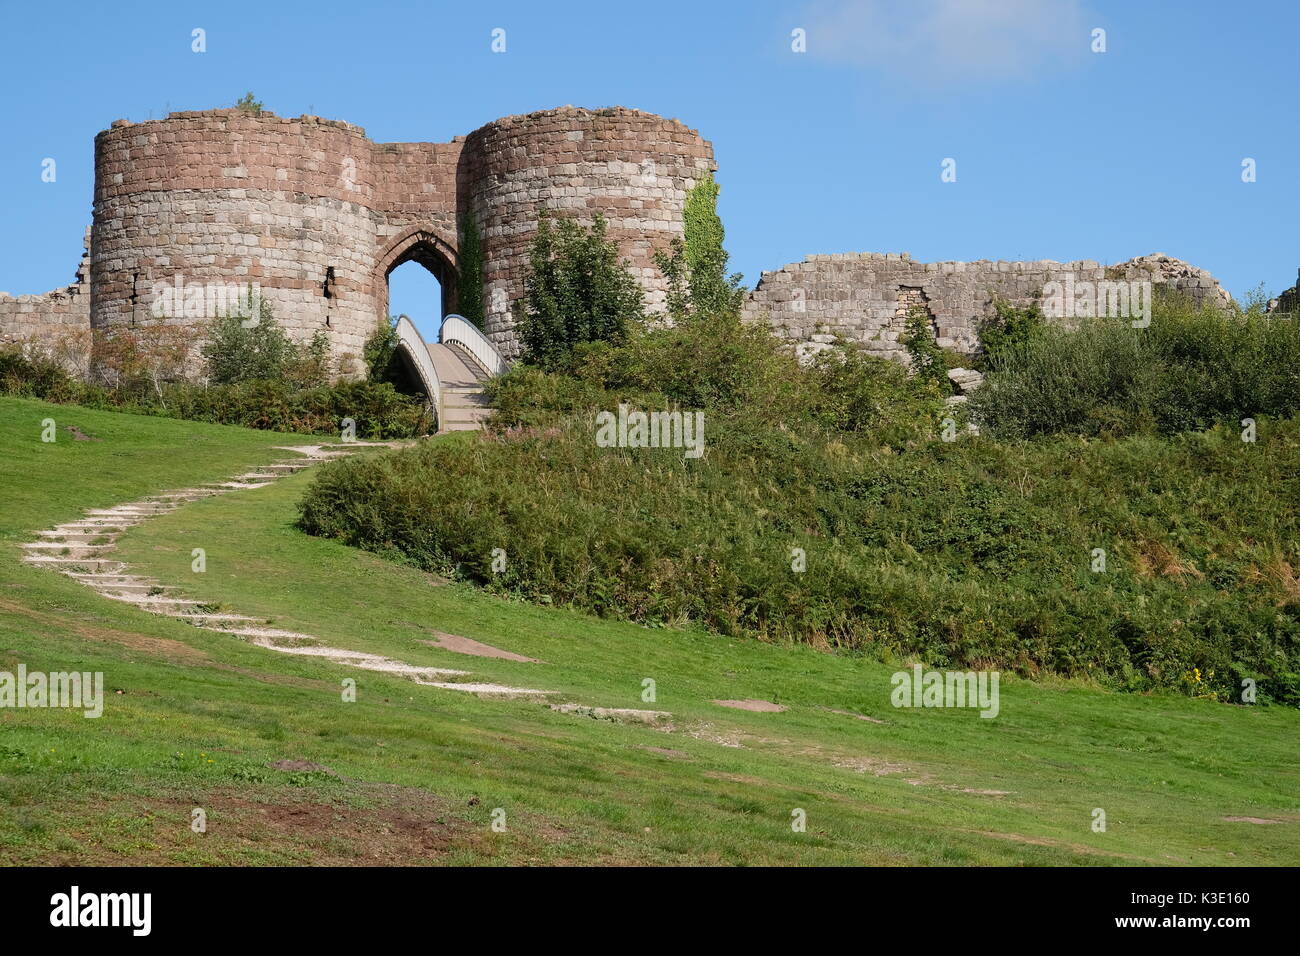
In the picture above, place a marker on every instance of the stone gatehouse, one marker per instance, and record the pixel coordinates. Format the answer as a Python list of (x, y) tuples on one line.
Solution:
[(317, 215)]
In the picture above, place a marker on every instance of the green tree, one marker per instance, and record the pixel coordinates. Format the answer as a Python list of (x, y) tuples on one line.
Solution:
[(248, 103), (576, 290)]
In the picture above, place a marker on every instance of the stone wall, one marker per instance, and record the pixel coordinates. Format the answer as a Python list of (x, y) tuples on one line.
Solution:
[(316, 215), (58, 320), (865, 297), (231, 198)]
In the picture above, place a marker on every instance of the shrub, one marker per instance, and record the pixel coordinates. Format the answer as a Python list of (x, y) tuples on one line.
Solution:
[(379, 350), (975, 553), (967, 554), (724, 365), (240, 348), (1190, 369), (1009, 327), (139, 360), (576, 291), (248, 104), (31, 376), (853, 391), (380, 412), (929, 362)]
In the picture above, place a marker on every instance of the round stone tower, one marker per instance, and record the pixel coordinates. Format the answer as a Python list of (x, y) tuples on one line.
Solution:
[(633, 168), (227, 199)]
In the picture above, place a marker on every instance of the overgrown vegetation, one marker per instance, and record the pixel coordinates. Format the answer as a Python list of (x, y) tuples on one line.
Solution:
[(258, 378), (241, 349), (1190, 369), (974, 553), (1011, 327), (576, 290), (927, 359), (696, 267), (249, 104), (379, 350), (470, 287), (378, 409)]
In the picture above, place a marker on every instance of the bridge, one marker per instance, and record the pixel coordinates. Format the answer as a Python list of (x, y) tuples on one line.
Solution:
[(452, 370)]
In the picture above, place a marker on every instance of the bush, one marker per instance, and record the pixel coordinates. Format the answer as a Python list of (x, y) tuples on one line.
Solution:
[(1009, 328), (576, 290), (33, 376), (967, 554), (137, 361), (249, 104), (241, 350), (723, 365), (929, 362), (380, 412), (975, 553), (1190, 369), (379, 350)]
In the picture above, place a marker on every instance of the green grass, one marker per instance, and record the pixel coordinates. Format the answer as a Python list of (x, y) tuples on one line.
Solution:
[(417, 771)]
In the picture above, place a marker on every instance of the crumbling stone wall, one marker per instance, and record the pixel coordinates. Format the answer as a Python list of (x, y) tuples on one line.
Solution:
[(58, 320), (865, 297)]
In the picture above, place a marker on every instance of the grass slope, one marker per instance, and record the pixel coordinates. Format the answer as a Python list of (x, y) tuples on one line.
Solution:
[(193, 718)]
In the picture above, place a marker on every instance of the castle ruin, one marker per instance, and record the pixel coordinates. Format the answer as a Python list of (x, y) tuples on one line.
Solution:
[(316, 215)]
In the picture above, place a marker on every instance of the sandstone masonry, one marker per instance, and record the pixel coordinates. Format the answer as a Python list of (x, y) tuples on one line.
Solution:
[(865, 297), (316, 215)]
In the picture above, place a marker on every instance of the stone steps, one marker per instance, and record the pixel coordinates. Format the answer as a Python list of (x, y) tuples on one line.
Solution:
[(463, 406), (111, 579)]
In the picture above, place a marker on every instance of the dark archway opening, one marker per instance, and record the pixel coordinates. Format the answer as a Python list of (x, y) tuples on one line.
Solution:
[(402, 375)]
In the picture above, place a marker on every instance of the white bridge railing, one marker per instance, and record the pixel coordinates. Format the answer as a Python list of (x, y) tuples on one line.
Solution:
[(410, 338), (458, 330)]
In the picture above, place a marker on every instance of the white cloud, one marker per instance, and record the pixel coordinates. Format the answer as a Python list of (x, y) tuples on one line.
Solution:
[(950, 44)]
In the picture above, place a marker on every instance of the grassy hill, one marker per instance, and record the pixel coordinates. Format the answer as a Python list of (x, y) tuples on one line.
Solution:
[(413, 774)]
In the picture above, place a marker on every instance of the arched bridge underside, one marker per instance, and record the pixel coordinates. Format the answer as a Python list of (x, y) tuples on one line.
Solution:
[(451, 371)]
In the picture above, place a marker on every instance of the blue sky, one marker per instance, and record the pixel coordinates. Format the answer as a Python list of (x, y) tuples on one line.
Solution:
[(1061, 153)]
